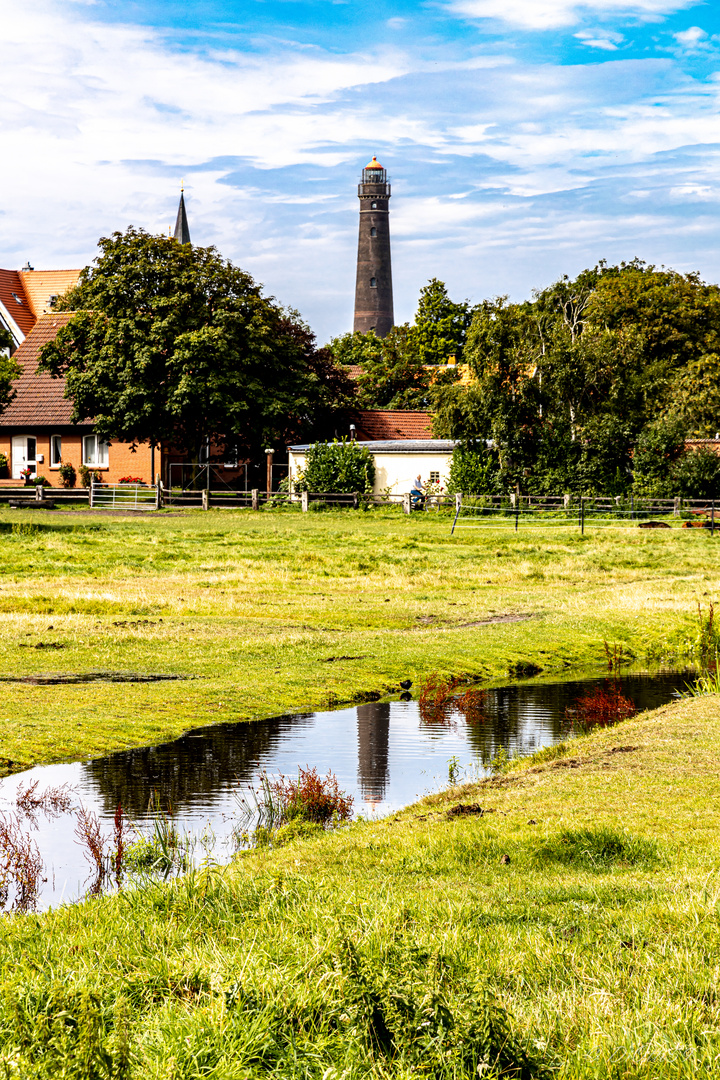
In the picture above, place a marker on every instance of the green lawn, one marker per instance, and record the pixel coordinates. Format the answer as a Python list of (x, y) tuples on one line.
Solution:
[(571, 930), (270, 612)]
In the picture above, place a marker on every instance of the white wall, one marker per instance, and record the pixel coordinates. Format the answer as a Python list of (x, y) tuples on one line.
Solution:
[(396, 470)]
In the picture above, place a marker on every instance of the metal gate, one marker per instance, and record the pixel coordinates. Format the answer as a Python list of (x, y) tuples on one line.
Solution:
[(124, 497)]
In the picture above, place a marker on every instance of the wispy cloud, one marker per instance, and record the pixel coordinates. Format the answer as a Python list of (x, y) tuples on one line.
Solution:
[(506, 172), (609, 41), (550, 14)]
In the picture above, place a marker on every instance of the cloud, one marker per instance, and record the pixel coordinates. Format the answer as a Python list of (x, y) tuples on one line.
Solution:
[(505, 173), (551, 14), (694, 39), (608, 40)]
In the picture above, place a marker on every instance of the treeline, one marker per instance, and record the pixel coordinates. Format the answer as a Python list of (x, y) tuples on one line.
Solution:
[(594, 385)]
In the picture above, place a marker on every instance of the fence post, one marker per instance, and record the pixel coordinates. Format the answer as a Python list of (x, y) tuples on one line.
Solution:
[(255, 496), (582, 516), (512, 499), (158, 494), (356, 500), (39, 493), (676, 507), (406, 503), (304, 501), (269, 464), (458, 505), (92, 492), (712, 518), (205, 499)]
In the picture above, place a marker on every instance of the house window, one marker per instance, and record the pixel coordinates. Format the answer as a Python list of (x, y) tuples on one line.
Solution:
[(434, 477), (55, 451), (373, 231), (373, 283), (95, 452)]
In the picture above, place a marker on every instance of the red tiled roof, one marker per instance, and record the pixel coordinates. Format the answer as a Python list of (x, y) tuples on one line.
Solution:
[(15, 300), (39, 400), (371, 424)]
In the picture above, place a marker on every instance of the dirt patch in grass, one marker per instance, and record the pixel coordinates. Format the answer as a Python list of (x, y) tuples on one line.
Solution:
[(90, 677)]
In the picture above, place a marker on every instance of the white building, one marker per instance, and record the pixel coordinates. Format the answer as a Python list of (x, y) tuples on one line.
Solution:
[(397, 462)]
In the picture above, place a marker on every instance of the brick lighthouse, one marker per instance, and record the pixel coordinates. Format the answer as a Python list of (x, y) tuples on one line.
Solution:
[(373, 287)]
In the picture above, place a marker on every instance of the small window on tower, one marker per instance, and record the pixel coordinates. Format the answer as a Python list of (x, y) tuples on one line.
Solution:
[(373, 206), (373, 283), (373, 231)]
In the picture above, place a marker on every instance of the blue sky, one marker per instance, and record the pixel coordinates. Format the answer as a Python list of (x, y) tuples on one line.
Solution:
[(524, 138)]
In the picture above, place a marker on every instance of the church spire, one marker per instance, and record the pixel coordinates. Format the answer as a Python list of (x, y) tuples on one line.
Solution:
[(182, 232)]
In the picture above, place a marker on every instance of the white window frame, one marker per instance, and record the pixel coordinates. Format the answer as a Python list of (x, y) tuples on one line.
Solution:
[(55, 464), (99, 452)]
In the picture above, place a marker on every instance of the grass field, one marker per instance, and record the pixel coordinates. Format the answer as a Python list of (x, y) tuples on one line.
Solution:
[(272, 612), (571, 931)]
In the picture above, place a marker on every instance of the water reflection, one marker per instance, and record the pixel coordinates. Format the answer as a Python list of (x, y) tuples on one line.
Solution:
[(382, 753), (373, 727)]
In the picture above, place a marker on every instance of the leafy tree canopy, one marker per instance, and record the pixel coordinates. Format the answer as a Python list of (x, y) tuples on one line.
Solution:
[(565, 383), (171, 343), (9, 369), (440, 326), (397, 371)]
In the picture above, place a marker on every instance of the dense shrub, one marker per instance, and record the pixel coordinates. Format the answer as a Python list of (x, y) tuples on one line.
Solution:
[(338, 466), (473, 470), (696, 474), (67, 474)]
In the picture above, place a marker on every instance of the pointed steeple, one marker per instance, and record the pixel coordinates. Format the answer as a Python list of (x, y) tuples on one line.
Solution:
[(182, 232)]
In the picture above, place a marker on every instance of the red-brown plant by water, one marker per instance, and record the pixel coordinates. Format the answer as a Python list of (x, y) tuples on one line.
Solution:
[(53, 800), (603, 706), (90, 835), (473, 706), (21, 865), (311, 797), (436, 701)]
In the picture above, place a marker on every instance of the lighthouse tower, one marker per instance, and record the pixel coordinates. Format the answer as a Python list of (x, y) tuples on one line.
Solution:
[(373, 287)]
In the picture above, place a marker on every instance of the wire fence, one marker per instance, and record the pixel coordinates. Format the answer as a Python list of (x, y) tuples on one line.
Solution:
[(515, 512)]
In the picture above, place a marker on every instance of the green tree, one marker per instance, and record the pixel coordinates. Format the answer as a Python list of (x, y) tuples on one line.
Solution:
[(337, 466), (695, 396), (391, 375), (355, 348), (473, 470), (696, 474), (658, 449), (565, 384), (394, 378), (440, 326), (9, 368), (171, 343)]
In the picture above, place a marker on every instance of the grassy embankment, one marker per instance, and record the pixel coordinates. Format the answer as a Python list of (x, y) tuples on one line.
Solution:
[(277, 611), (573, 927)]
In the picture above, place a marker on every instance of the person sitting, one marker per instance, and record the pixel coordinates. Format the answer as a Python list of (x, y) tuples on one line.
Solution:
[(417, 496)]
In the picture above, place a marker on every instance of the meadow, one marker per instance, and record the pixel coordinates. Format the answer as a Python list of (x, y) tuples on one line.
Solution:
[(259, 614), (558, 919)]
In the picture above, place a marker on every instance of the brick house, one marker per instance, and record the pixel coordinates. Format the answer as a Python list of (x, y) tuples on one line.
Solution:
[(27, 294), (36, 430)]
